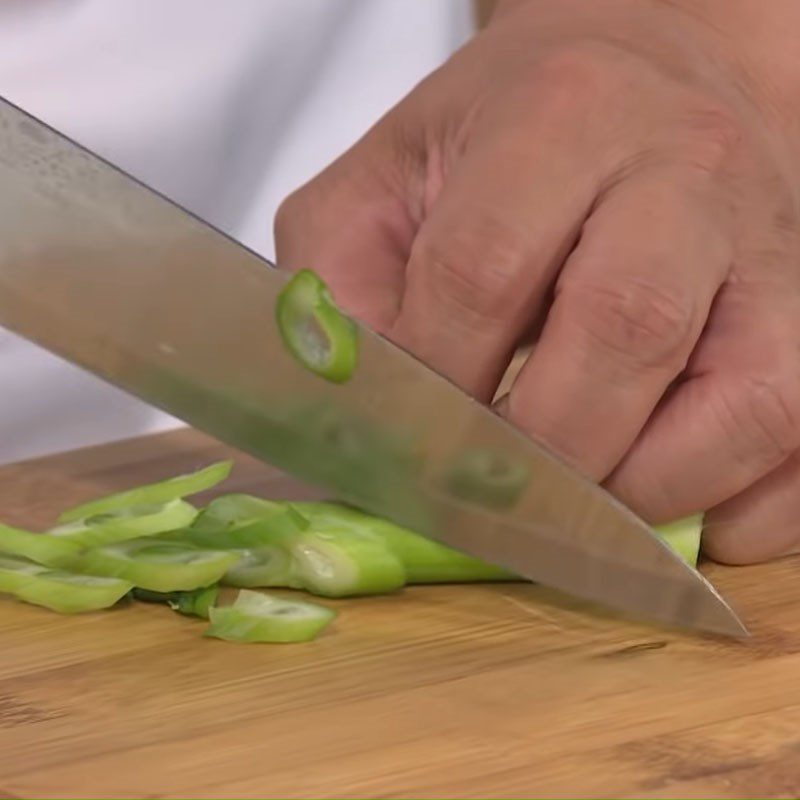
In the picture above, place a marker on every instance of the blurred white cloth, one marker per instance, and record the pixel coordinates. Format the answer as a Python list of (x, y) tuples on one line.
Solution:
[(224, 106)]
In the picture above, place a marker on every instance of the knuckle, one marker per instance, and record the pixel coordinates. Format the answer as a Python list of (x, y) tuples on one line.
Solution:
[(575, 65), (473, 273), (642, 324), (763, 414), (579, 71), (715, 136), (289, 214)]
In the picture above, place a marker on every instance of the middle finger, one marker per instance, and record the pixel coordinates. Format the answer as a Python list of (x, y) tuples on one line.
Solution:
[(630, 305)]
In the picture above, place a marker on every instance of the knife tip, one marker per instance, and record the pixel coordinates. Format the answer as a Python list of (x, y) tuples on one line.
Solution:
[(719, 618)]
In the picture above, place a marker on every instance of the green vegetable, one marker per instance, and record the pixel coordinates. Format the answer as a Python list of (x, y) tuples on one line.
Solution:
[(260, 549), (314, 330), (39, 547), (276, 550), (196, 603), (57, 590), (276, 524), (161, 566), (154, 494), (425, 560), (268, 566), (256, 617), (258, 531), (127, 523), (263, 558), (683, 536), (341, 562), (153, 544), (231, 510)]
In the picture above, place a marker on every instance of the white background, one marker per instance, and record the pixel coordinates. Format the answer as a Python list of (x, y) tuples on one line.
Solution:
[(223, 105)]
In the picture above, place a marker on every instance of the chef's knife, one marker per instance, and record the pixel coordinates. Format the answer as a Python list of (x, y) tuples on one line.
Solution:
[(114, 277)]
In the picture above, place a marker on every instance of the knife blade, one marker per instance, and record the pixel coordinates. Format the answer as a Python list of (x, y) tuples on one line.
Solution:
[(114, 277)]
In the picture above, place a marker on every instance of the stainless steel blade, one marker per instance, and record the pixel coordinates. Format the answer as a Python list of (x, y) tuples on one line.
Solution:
[(105, 272)]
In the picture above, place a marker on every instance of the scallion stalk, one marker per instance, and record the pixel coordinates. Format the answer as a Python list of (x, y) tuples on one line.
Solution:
[(425, 560)]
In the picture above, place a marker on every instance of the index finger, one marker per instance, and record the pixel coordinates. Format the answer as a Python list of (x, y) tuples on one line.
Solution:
[(350, 225), (486, 256)]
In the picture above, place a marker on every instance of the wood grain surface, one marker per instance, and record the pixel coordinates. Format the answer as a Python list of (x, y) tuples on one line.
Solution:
[(474, 691)]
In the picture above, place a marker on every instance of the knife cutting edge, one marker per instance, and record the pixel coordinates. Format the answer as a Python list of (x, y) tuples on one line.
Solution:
[(114, 277)]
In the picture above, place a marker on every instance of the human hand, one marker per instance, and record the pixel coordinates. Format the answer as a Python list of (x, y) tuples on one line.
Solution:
[(617, 182)]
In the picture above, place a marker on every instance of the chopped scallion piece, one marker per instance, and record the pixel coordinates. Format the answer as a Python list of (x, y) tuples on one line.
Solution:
[(683, 536), (49, 551), (127, 523), (344, 563), (59, 591), (231, 510), (268, 566), (161, 566), (194, 604), (315, 331), (154, 494), (256, 617), (259, 532), (275, 525)]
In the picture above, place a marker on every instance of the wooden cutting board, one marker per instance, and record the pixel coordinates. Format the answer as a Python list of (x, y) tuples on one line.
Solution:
[(475, 691)]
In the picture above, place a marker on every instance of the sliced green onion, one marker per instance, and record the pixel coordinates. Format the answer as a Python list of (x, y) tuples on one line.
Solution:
[(265, 565), (331, 563), (344, 563), (683, 536), (196, 603), (231, 510), (263, 553), (268, 567), (39, 547), (277, 551), (150, 542), (59, 591), (425, 560), (161, 566), (315, 331), (154, 494), (259, 532), (256, 617), (127, 523), (269, 529)]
